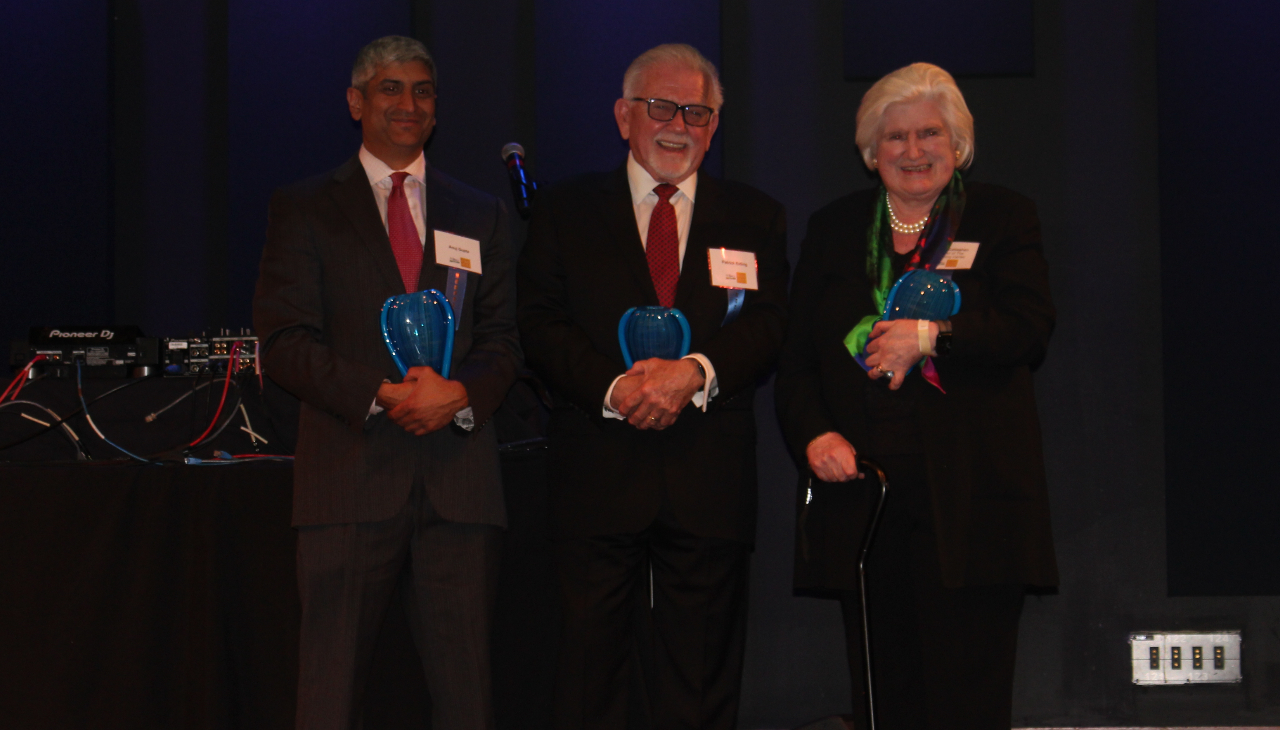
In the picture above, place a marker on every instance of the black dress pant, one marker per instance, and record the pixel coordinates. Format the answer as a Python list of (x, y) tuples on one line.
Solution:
[(690, 644), (347, 574), (942, 657)]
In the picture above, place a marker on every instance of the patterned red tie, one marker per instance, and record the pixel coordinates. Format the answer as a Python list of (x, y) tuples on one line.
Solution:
[(662, 248), (403, 234)]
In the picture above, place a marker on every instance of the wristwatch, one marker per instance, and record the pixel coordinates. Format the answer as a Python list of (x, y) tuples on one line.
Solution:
[(701, 370), (942, 346)]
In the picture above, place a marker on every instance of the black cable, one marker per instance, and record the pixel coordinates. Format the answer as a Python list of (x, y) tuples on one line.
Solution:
[(89, 418), (72, 437), (153, 416), (184, 448), (71, 415), (223, 427)]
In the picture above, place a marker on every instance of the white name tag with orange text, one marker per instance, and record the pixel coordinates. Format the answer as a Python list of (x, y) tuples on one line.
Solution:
[(458, 252), (959, 256), (732, 269)]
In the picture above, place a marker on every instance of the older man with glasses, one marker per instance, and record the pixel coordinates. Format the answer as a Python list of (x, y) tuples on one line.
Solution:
[(652, 467)]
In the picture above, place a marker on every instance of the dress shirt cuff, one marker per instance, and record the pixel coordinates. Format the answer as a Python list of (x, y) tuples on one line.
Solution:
[(374, 408), (608, 411), (466, 419), (711, 388)]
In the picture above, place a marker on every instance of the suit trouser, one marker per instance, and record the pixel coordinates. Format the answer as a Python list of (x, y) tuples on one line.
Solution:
[(692, 655), (943, 657), (347, 574)]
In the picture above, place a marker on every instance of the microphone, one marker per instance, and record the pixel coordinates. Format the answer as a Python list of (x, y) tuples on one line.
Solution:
[(522, 188)]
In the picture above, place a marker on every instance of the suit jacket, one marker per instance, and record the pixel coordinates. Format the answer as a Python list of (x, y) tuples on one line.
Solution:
[(326, 270), (582, 267), (982, 438)]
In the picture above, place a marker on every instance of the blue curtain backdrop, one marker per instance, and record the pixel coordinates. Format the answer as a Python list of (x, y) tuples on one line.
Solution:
[(56, 213), (288, 71), (583, 48), (1219, 193), (975, 38)]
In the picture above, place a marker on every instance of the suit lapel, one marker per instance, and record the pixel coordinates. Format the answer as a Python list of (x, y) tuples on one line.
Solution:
[(620, 218), (354, 197), (442, 215), (708, 214)]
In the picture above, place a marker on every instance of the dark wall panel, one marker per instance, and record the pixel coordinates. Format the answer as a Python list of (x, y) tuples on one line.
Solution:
[(56, 200), (1219, 71), (176, 164), (290, 66), (583, 48), (976, 38), (788, 130), (484, 51)]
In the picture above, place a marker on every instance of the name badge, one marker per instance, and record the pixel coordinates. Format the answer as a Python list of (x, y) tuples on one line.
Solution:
[(959, 256), (732, 269), (458, 252)]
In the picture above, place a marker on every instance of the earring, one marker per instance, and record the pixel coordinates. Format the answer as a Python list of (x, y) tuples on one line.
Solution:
[(957, 155)]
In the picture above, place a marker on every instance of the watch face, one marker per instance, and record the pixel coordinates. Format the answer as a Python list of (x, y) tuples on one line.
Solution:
[(943, 344)]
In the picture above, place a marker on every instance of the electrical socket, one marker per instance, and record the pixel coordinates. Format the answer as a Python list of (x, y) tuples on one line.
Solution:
[(1185, 657)]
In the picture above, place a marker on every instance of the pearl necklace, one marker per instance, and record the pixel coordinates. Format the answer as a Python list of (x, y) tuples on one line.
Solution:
[(900, 227)]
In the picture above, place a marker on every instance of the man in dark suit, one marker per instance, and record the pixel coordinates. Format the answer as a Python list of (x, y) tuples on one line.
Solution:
[(652, 469), (391, 475)]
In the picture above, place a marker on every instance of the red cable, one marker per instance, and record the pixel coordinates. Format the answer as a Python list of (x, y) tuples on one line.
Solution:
[(25, 371), (12, 383), (226, 385), (21, 378), (261, 456), (16, 379)]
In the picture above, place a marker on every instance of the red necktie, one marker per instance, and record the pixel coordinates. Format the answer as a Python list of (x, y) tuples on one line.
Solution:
[(662, 248), (405, 243)]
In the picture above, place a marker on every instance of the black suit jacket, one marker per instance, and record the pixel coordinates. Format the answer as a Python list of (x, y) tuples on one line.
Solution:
[(582, 267), (982, 438), (326, 270)]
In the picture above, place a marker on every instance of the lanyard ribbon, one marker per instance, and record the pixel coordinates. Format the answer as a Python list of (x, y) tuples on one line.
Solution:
[(455, 289), (736, 298)]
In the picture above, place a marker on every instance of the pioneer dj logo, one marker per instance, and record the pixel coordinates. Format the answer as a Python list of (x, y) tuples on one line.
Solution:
[(72, 335)]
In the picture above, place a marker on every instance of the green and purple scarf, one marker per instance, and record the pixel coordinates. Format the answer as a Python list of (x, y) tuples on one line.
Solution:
[(935, 239)]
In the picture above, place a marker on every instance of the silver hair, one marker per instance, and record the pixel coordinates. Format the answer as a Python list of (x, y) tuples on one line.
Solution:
[(677, 54), (385, 51), (912, 83)]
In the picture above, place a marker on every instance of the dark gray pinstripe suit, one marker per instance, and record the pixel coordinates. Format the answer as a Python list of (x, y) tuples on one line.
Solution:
[(369, 496)]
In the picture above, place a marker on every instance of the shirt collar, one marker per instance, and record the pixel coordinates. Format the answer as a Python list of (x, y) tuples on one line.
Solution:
[(377, 170), (642, 183)]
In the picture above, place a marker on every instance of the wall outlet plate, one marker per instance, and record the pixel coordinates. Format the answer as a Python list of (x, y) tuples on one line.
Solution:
[(1185, 657)]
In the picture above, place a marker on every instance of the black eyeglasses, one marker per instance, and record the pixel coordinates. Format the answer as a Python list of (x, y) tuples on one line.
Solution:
[(661, 110)]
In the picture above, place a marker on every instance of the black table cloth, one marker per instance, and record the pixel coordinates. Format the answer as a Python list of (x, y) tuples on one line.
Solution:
[(135, 596)]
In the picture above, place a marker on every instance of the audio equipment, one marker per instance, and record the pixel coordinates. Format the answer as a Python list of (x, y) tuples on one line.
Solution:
[(106, 352)]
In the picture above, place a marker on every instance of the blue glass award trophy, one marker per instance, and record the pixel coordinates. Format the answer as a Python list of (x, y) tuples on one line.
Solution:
[(646, 332), (418, 330), (917, 294), (920, 294)]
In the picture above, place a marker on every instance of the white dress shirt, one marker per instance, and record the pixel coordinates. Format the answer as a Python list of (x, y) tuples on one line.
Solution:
[(415, 188), (643, 201), (415, 192)]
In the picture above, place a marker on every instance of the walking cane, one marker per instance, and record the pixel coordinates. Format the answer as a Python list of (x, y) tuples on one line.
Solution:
[(869, 466), (866, 465)]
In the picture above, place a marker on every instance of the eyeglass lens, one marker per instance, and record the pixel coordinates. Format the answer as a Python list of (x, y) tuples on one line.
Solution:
[(661, 110)]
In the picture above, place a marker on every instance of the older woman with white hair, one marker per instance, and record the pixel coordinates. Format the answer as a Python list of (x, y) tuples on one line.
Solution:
[(944, 405)]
